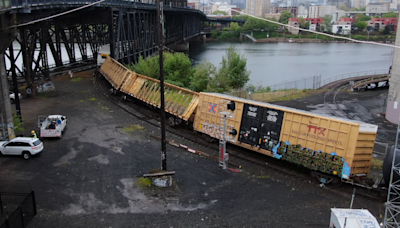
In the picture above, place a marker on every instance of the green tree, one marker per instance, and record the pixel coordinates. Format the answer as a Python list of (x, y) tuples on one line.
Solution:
[(377, 16), (178, 69), (219, 12), (302, 22), (232, 74), (390, 14), (343, 7), (285, 15), (361, 25), (327, 23), (149, 67), (203, 73), (362, 17), (386, 30), (257, 24)]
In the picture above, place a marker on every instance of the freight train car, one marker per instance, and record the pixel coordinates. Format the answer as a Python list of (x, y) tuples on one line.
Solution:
[(329, 145), (180, 103)]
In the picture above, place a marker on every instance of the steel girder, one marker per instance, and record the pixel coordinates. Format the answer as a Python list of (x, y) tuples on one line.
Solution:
[(45, 46), (134, 35), (40, 48)]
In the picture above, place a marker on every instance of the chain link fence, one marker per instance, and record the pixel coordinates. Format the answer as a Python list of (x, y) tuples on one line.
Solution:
[(284, 89)]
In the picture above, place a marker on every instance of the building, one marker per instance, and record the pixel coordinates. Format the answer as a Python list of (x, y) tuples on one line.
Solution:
[(256, 7), (377, 8), (380, 23), (342, 27), (275, 16), (276, 9), (315, 23), (321, 11), (302, 11), (313, 11), (294, 22)]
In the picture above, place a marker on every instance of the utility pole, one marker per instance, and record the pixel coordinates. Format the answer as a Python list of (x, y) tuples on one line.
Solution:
[(392, 211), (160, 17)]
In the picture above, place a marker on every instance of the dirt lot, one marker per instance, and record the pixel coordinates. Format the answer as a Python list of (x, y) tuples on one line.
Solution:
[(89, 177)]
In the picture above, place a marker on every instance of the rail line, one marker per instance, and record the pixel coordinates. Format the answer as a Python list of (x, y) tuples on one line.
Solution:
[(240, 159), (335, 109)]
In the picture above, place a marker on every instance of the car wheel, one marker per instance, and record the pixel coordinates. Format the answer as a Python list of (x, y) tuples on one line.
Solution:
[(26, 155)]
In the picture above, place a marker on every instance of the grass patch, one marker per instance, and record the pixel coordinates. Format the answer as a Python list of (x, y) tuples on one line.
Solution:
[(43, 95), (81, 101), (132, 128), (376, 164), (143, 182), (263, 177), (76, 79), (92, 99)]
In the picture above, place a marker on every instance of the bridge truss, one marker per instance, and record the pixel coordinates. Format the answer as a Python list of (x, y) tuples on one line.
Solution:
[(130, 30)]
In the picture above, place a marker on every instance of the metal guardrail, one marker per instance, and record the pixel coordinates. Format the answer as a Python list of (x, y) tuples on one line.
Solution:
[(369, 80), (353, 75), (173, 5)]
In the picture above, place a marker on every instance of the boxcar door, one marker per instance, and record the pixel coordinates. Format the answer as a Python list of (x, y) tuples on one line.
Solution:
[(271, 125), (250, 127)]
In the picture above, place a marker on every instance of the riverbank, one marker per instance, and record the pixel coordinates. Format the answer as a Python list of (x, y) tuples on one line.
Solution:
[(308, 40)]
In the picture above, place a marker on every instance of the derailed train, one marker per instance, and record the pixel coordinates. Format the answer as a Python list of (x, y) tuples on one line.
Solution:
[(328, 145)]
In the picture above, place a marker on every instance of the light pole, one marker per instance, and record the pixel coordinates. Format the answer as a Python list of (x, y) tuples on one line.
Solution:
[(160, 17)]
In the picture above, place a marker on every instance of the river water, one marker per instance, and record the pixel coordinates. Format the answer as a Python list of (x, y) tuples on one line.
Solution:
[(274, 63)]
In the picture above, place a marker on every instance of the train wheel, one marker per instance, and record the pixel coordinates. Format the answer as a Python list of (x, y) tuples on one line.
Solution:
[(208, 138), (178, 121), (171, 121)]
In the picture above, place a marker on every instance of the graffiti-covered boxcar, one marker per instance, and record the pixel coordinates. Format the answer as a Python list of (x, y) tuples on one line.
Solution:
[(318, 142)]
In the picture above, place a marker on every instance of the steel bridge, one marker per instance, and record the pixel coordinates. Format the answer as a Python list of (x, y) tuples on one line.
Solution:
[(129, 26)]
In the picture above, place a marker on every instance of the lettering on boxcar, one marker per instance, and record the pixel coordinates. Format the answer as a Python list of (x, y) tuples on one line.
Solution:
[(316, 129), (316, 137)]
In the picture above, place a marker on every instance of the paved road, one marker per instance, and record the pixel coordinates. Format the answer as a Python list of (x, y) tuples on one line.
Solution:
[(88, 178)]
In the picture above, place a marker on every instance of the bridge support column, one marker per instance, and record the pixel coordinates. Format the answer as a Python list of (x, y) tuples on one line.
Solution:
[(184, 46), (393, 101), (6, 117)]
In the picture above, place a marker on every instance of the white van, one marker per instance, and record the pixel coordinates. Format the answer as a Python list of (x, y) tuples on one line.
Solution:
[(103, 53)]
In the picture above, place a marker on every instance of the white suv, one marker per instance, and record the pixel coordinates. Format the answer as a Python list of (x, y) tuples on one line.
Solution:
[(21, 146)]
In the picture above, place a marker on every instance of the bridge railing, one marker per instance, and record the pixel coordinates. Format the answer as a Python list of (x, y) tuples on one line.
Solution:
[(4, 4), (352, 75)]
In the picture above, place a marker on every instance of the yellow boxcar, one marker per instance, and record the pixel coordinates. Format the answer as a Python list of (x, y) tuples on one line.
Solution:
[(114, 72), (322, 143)]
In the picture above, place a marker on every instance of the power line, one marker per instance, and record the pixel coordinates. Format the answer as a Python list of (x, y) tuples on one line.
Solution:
[(56, 15)]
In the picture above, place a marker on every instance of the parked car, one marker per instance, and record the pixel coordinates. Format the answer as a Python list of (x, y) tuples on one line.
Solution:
[(21, 146), (12, 96)]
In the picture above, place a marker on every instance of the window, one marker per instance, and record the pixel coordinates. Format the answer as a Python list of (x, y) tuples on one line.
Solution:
[(37, 142)]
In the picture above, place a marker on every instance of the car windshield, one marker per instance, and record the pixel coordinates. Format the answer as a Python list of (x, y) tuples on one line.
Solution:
[(37, 142)]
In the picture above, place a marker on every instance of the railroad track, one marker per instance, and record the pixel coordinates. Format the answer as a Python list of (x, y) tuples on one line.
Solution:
[(334, 108), (240, 160)]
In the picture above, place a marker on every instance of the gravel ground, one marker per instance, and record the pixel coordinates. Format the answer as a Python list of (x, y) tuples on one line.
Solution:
[(88, 178)]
